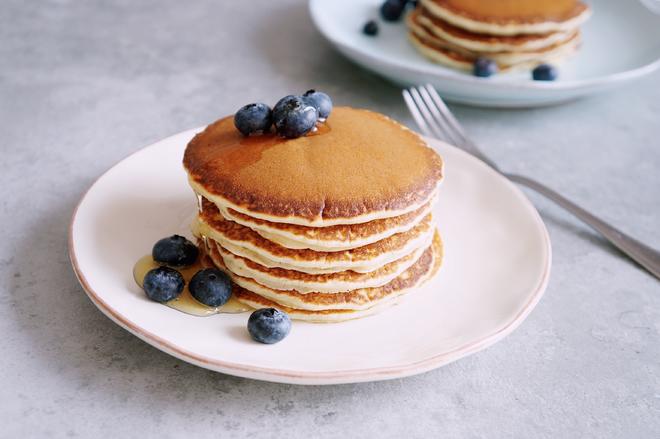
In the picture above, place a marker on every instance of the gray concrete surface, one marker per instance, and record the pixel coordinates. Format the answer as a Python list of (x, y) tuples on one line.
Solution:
[(84, 83)]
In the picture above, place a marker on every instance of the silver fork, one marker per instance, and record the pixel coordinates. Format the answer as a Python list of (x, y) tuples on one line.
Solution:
[(436, 120)]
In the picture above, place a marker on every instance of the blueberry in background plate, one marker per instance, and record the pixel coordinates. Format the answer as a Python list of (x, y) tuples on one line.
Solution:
[(268, 325), (163, 284), (253, 119), (294, 116), (391, 10), (320, 101), (370, 28), (484, 67), (211, 287), (545, 72), (175, 250)]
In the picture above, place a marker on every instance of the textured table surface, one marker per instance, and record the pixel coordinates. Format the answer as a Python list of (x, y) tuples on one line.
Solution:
[(83, 84)]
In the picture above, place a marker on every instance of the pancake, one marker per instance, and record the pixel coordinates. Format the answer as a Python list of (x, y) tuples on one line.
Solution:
[(510, 17), (484, 43), (282, 279), (360, 166), (320, 307), (331, 238), (245, 242), (442, 52)]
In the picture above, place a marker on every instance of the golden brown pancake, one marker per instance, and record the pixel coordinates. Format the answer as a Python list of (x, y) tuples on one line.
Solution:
[(331, 238), (358, 167), (443, 52), (482, 43), (510, 17), (245, 242), (283, 279), (349, 305)]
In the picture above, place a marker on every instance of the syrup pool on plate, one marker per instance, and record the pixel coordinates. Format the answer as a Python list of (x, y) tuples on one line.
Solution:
[(186, 302)]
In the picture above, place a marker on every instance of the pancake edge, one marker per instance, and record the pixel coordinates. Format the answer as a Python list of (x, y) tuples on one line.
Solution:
[(498, 46), (240, 268), (247, 250), (294, 241), (340, 315), (438, 56)]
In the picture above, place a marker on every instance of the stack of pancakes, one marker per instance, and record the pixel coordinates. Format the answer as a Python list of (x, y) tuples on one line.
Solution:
[(516, 34), (327, 227)]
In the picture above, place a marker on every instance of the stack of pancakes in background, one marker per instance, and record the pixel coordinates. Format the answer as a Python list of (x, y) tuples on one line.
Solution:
[(327, 227), (516, 34)]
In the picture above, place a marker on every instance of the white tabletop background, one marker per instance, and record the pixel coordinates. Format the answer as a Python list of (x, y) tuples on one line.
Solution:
[(83, 84)]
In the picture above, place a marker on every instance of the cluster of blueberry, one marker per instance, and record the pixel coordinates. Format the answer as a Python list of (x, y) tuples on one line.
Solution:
[(390, 10), (292, 116), (484, 67), (209, 286)]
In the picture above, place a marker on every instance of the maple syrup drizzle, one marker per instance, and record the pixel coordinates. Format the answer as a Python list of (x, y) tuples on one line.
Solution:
[(186, 302)]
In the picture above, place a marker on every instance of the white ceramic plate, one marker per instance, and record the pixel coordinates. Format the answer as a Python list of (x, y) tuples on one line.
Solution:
[(497, 262), (621, 42)]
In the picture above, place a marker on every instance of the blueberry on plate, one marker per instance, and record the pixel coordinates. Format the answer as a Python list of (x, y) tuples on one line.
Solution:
[(163, 284), (211, 287), (176, 251), (268, 325), (320, 101), (391, 10), (544, 72), (370, 28), (484, 67), (253, 119), (294, 116)]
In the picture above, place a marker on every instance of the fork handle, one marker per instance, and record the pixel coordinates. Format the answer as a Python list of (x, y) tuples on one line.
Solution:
[(638, 252)]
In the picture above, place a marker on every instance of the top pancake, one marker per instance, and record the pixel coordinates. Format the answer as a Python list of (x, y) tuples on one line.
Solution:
[(510, 17), (359, 166)]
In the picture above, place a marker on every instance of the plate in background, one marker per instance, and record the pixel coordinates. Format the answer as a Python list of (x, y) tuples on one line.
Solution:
[(621, 42), (495, 269)]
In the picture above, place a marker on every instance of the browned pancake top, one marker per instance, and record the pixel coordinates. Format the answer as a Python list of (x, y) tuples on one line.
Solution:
[(514, 11), (358, 162)]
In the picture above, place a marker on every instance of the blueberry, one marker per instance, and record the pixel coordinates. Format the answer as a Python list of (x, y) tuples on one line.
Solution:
[(268, 325), (210, 286), (294, 116), (391, 10), (176, 251), (163, 284), (253, 119), (320, 101), (370, 28), (281, 105), (484, 67), (544, 72)]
